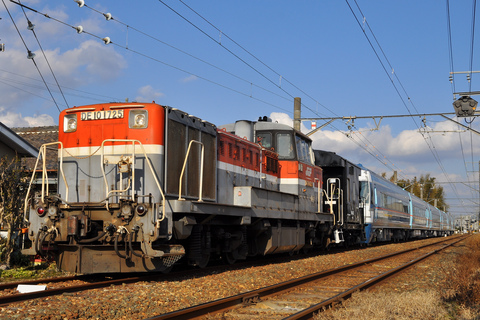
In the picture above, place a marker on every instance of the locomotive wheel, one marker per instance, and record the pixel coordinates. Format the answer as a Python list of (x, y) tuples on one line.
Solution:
[(228, 256), (203, 262)]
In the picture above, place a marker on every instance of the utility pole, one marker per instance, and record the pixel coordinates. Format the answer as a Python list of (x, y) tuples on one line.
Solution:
[(297, 113)]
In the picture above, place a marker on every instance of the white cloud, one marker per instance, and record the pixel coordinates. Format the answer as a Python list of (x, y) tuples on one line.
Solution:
[(407, 152), (189, 79), (12, 119), (147, 94), (76, 64), (100, 61), (91, 62)]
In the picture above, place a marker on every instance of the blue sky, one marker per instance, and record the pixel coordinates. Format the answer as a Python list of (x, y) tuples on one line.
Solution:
[(316, 50)]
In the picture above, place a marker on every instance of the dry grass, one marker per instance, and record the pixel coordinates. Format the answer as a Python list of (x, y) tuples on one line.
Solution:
[(457, 297), (461, 285), (389, 305)]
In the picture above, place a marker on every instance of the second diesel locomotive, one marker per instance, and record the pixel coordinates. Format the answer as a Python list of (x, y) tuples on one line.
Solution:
[(141, 186)]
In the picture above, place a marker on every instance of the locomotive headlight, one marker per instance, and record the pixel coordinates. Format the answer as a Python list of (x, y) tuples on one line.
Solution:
[(138, 119), (70, 123)]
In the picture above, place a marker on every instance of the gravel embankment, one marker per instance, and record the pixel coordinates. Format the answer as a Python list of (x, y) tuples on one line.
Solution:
[(146, 299)]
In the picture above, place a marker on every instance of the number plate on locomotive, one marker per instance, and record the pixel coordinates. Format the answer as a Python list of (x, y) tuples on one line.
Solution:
[(102, 115)]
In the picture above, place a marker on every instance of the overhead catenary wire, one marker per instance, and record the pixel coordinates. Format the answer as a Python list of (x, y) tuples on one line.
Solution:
[(428, 140), (450, 49), (256, 58), (30, 55), (474, 9), (234, 54), (31, 27), (278, 74), (18, 84), (364, 146), (107, 40), (128, 26), (182, 69)]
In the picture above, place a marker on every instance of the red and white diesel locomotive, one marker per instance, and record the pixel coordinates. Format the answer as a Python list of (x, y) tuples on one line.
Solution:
[(141, 186)]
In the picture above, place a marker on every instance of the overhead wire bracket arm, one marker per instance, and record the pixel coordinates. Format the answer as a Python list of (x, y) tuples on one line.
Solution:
[(321, 127), (460, 124)]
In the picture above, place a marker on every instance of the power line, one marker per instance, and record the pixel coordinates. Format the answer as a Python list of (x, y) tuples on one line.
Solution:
[(256, 58), (107, 40), (430, 144), (474, 9), (450, 49), (30, 54), (31, 27)]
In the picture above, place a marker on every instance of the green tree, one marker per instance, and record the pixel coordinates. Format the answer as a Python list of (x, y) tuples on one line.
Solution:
[(424, 188), (13, 186)]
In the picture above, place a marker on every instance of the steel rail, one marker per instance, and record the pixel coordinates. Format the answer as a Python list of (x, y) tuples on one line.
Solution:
[(198, 311), (11, 285), (309, 312), (8, 299), (118, 279)]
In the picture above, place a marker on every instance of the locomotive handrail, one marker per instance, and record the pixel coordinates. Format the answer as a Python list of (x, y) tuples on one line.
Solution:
[(201, 170), (319, 194), (43, 154), (133, 170)]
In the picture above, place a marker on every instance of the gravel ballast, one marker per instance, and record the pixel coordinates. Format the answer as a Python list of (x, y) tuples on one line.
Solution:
[(146, 299)]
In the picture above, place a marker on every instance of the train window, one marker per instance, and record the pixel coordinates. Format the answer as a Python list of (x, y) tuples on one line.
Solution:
[(138, 119), (285, 146), (265, 139)]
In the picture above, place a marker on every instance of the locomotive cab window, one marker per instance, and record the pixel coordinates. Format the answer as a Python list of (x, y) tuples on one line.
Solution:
[(285, 146), (138, 119), (304, 150)]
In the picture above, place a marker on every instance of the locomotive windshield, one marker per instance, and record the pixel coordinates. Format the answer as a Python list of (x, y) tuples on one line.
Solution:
[(304, 151), (285, 146)]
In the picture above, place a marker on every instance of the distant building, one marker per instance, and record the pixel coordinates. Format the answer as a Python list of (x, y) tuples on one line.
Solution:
[(467, 223), (37, 136), (12, 145)]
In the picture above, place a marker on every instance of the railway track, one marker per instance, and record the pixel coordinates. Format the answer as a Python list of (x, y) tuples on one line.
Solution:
[(301, 298), (61, 285)]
